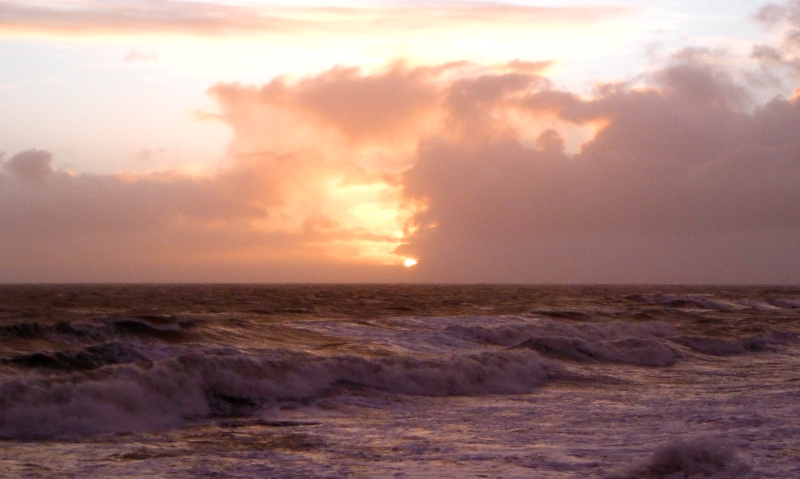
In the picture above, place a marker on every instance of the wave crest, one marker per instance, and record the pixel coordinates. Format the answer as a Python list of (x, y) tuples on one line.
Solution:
[(164, 393)]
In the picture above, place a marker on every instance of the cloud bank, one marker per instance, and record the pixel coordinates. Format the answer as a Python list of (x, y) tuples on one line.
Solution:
[(481, 172), (683, 183)]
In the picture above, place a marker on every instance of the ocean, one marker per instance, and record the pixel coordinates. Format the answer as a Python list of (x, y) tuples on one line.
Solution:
[(403, 381)]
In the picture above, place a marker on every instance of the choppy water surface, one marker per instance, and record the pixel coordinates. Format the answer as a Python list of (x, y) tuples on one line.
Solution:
[(399, 381)]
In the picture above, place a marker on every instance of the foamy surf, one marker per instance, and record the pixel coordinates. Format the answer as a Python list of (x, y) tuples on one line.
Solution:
[(392, 381), (152, 395)]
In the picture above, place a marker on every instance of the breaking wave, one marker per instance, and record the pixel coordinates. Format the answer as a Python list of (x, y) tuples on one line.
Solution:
[(650, 343), (615, 342), (159, 394), (129, 376)]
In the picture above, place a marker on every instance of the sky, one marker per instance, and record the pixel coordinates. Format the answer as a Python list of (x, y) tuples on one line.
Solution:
[(372, 141)]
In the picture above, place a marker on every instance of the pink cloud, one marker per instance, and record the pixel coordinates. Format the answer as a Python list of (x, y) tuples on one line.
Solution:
[(462, 166), (209, 18), (360, 107), (785, 18)]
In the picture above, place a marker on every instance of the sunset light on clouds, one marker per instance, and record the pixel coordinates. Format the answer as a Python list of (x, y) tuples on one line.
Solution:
[(260, 141)]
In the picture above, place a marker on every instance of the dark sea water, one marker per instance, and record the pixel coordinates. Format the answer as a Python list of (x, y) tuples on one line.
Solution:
[(326, 381)]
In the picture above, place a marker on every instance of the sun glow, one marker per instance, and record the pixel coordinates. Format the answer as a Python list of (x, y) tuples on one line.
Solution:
[(409, 262)]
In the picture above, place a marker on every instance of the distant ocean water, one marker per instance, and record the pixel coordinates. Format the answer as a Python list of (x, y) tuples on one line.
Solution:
[(363, 381)]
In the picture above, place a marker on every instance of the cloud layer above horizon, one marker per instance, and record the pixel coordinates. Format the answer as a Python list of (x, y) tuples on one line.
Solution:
[(482, 172), (137, 17)]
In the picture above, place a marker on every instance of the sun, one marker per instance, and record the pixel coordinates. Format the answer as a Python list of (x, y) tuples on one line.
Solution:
[(409, 262)]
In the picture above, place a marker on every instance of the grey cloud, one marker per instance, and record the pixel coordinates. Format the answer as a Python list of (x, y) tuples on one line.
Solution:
[(773, 13), (677, 169), (31, 165), (783, 17)]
